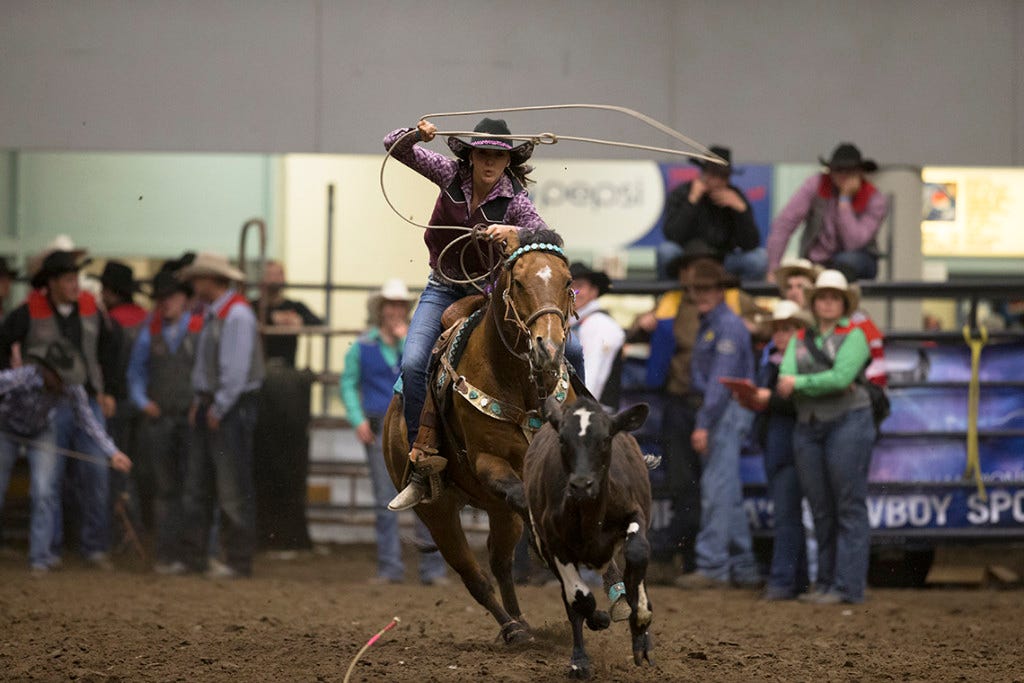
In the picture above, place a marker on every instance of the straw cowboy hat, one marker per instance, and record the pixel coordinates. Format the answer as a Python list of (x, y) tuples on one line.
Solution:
[(846, 157), (789, 311), (833, 280), (796, 266), (207, 264), (487, 129)]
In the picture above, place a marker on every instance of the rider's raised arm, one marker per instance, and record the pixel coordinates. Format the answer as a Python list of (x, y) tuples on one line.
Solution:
[(433, 166)]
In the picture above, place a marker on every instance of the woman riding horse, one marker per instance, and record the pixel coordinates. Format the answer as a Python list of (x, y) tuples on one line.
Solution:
[(493, 378), (486, 184)]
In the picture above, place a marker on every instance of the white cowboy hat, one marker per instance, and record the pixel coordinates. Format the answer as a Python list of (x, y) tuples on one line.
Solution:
[(394, 290), (789, 311), (795, 266), (835, 281), (207, 264)]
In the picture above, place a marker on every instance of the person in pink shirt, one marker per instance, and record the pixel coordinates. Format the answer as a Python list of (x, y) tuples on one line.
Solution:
[(841, 212)]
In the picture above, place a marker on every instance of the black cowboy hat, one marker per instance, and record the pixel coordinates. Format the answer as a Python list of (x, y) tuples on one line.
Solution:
[(166, 283), (846, 157), (6, 270), (692, 251), (120, 279), (712, 167), (58, 263), (62, 359), (491, 127), (174, 265), (597, 278)]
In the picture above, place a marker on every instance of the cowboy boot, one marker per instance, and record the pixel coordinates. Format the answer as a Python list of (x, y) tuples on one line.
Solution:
[(424, 481)]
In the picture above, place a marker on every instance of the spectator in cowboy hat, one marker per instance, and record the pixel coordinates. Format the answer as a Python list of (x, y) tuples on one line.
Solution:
[(787, 577), (160, 388), (7, 276), (226, 379), (841, 212), (794, 277), (57, 309), (712, 211), (600, 335), (833, 437), (722, 350), (372, 366)]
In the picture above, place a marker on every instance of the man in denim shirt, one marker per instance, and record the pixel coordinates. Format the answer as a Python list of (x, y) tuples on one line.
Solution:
[(724, 549)]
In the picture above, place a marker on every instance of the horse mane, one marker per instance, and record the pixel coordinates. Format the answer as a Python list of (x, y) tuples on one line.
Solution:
[(540, 236)]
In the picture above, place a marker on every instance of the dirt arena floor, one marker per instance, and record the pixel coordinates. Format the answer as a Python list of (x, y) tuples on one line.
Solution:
[(304, 620)]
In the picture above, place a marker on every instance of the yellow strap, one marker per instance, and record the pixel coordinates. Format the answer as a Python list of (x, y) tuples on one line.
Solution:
[(973, 468)]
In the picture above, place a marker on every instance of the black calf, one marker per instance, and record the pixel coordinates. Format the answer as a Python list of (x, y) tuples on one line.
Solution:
[(588, 494)]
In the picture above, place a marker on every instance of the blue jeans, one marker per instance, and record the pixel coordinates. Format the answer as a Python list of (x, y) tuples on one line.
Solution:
[(46, 486), (789, 549), (166, 439), (724, 546), (389, 546), (90, 482), (424, 329), (832, 460), (746, 265), (855, 265), (220, 470)]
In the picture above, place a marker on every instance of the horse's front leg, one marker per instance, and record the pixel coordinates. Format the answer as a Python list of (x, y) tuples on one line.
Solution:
[(498, 477), (637, 551)]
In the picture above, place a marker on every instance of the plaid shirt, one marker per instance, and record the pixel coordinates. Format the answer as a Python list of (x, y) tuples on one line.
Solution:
[(26, 407)]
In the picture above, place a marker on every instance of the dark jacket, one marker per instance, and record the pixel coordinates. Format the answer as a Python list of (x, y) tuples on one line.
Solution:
[(719, 227)]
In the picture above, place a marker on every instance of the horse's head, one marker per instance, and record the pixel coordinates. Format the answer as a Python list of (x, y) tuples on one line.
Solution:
[(538, 298), (585, 433)]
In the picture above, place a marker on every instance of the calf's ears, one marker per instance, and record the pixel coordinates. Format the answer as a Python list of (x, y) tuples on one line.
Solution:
[(553, 412), (630, 419)]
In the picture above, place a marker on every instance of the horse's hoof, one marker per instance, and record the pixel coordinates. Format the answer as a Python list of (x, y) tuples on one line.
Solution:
[(579, 670), (599, 621), (642, 649), (515, 632)]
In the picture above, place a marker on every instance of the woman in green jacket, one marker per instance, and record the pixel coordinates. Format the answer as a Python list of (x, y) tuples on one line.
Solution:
[(823, 369)]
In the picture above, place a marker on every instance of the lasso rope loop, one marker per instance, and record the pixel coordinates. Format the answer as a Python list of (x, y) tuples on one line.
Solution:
[(699, 151)]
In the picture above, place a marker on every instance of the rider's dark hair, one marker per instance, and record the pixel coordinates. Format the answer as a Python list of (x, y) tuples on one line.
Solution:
[(522, 173), (539, 236)]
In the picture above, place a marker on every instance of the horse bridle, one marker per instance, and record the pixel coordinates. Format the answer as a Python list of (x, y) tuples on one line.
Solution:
[(513, 316)]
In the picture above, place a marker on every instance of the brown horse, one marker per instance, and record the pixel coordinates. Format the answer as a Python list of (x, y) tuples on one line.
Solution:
[(513, 361)]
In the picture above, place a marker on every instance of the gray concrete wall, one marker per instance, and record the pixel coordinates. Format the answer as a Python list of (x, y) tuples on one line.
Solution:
[(915, 81)]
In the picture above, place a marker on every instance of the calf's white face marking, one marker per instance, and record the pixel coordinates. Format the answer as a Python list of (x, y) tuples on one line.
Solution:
[(572, 582), (545, 274), (584, 416), (632, 528)]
